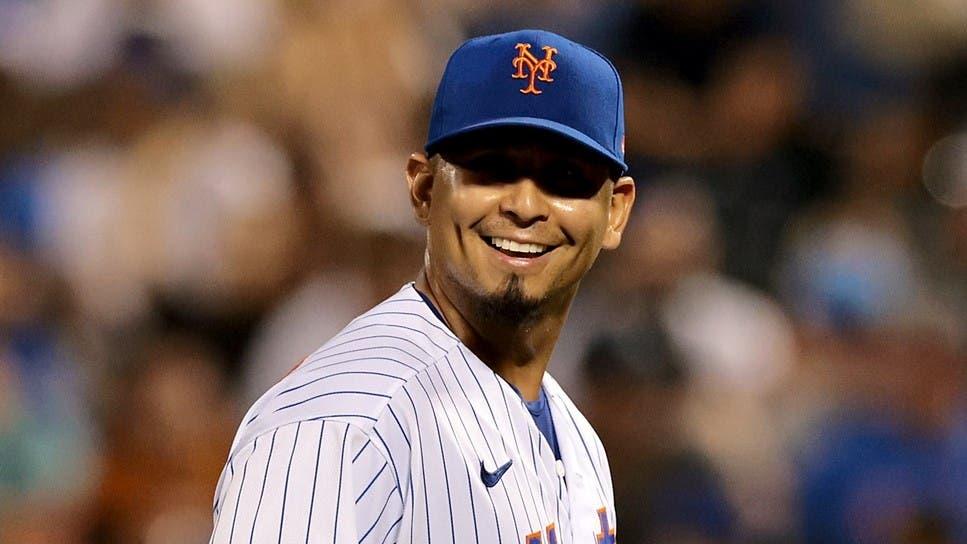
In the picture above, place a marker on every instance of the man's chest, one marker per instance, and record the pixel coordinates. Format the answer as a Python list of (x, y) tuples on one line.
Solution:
[(481, 471)]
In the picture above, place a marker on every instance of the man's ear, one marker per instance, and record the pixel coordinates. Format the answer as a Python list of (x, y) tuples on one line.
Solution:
[(622, 198), (419, 177)]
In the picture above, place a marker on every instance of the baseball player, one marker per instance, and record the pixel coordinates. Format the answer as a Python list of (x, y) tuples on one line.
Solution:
[(430, 418)]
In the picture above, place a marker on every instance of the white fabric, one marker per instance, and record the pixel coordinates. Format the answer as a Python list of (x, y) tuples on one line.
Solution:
[(381, 436)]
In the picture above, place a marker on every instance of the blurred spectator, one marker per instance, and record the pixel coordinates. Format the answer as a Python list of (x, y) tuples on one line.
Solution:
[(86, 235), (362, 102), (715, 90), (665, 490), (678, 57), (858, 51), (365, 271), (56, 44), (59, 44), (222, 195), (220, 232), (882, 451), (47, 464), (889, 464), (587, 21), (214, 37), (165, 443), (853, 261), (19, 201)]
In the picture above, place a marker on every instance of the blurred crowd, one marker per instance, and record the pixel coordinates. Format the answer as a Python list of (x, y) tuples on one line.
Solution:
[(195, 194)]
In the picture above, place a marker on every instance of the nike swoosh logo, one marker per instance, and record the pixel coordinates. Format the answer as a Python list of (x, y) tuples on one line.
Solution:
[(490, 479)]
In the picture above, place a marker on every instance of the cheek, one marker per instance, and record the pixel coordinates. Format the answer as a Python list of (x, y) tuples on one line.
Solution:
[(466, 207), (454, 213), (583, 221)]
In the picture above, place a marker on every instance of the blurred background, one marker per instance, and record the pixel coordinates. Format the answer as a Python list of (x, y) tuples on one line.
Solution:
[(195, 194)]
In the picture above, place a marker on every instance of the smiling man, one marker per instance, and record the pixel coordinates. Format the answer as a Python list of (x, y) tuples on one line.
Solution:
[(431, 418)]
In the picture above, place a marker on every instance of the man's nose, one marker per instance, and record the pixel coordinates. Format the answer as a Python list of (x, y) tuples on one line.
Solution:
[(524, 202)]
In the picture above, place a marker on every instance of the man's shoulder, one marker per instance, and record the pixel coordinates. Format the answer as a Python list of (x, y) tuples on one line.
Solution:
[(354, 376)]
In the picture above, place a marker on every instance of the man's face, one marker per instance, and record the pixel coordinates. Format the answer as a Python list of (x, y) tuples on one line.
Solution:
[(520, 221)]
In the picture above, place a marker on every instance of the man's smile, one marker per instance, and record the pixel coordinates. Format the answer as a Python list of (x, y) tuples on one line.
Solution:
[(519, 247), (518, 255)]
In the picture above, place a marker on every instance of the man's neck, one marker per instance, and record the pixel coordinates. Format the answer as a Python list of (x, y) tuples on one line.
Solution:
[(517, 352)]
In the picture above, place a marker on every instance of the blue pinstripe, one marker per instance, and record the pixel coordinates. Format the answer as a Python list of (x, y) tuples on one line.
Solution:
[(342, 457), (534, 462), (419, 437), (390, 530), (315, 360), (331, 393), (361, 338), (389, 452), (367, 358), (346, 373), (285, 490), (371, 482), (315, 477), (231, 535), (443, 458), (379, 517), (425, 320), (338, 416), (265, 476), (476, 532), (400, 425), (361, 450), (395, 326), (487, 442), (494, 418)]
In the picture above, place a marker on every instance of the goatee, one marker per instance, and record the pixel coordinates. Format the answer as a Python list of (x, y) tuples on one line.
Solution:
[(510, 306)]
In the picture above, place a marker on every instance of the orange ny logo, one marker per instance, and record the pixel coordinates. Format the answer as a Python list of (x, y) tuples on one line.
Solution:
[(538, 68)]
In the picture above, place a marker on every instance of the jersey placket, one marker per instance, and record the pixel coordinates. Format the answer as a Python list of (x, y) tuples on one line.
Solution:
[(541, 474), (577, 477)]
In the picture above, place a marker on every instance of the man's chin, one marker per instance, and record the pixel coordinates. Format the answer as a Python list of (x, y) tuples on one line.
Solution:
[(510, 304)]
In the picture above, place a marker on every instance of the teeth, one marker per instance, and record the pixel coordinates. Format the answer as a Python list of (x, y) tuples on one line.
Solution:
[(516, 247)]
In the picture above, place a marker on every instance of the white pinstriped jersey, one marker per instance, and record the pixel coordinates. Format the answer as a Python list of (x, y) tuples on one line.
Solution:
[(392, 431)]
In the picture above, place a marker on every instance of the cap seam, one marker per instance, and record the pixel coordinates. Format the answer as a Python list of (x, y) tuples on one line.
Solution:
[(617, 111)]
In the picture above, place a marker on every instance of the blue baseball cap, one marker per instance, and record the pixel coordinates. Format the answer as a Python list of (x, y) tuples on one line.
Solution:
[(534, 79)]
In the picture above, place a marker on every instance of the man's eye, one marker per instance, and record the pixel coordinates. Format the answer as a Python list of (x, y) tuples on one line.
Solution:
[(494, 167), (570, 182)]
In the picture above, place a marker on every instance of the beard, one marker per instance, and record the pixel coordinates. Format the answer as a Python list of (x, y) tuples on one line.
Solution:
[(510, 306)]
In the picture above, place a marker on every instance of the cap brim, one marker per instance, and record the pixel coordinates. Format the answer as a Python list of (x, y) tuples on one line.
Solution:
[(532, 122)]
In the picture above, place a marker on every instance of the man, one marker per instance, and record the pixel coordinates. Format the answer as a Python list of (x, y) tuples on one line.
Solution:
[(430, 418)]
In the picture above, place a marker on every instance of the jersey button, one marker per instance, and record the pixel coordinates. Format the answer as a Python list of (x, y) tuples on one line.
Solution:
[(560, 468)]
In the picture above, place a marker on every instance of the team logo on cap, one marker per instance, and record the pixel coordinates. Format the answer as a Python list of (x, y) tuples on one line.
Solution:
[(537, 69)]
